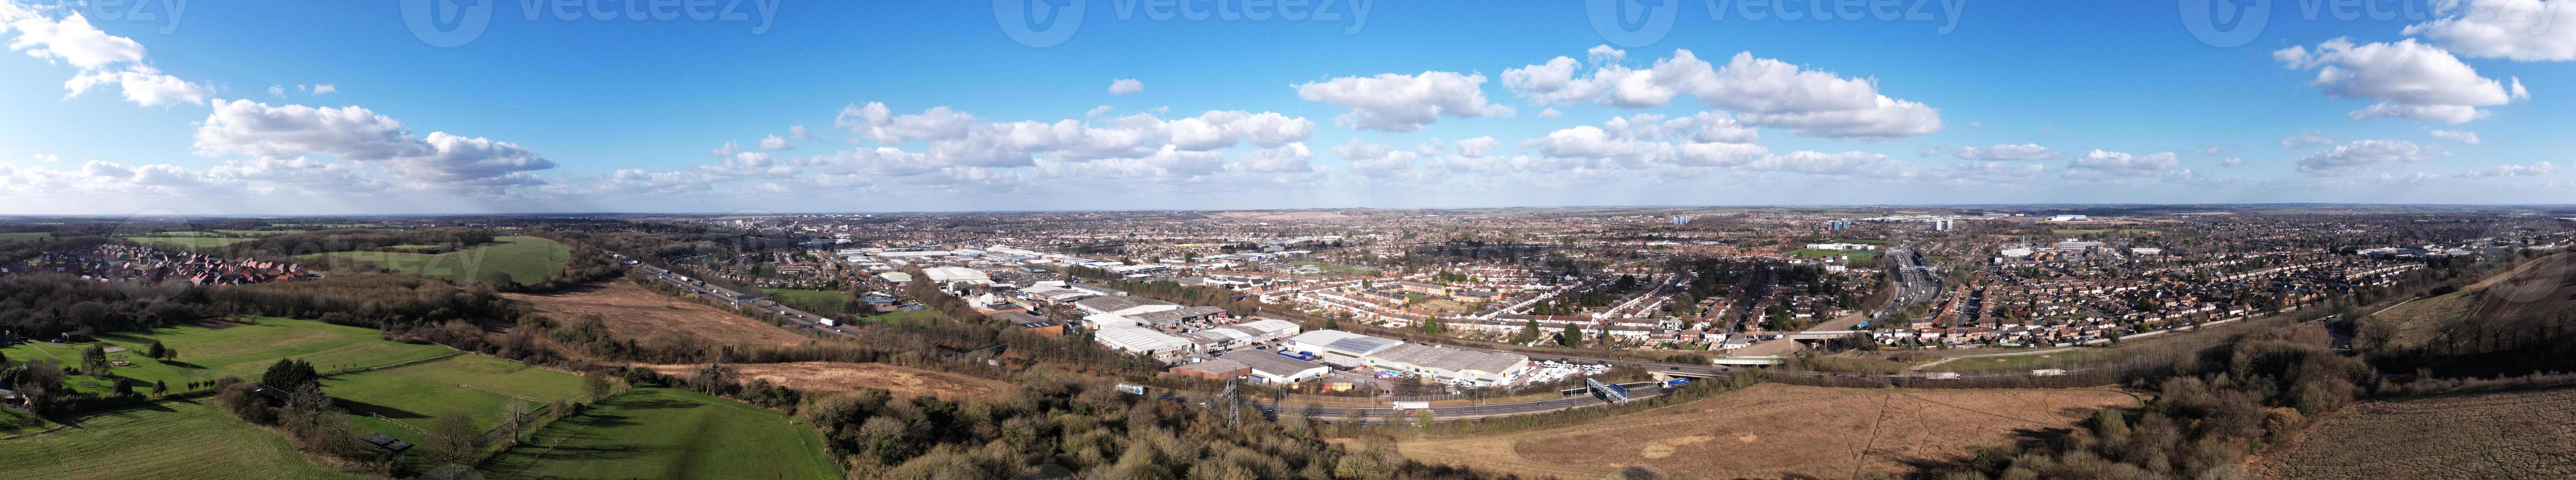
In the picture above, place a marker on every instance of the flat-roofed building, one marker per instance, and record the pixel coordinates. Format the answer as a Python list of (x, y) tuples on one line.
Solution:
[(1164, 318), (1122, 305), (1273, 368), (1456, 364), (1339, 347), (1144, 341), (1248, 332)]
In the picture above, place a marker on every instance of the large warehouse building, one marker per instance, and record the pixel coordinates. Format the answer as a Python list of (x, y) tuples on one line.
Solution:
[(1455, 364), (1338, 347), (1144, 341)]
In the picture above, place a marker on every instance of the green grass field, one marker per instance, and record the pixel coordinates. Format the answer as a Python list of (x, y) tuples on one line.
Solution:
[(242, 350), (188, 242), (900, 315), (819, 302), (419, 394), (13, 422), (665, 433), (25, 236), (172, 439), (526, 259)]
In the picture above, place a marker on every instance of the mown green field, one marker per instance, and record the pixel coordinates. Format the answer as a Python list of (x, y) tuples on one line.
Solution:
[(419, 394), (240, 350), (188, 242), (526, 259), (25, 236), (171, 439), (819, 302), (665, 433)]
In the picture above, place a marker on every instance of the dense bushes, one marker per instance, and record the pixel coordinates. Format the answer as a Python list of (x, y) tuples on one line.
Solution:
[(2207, 416)]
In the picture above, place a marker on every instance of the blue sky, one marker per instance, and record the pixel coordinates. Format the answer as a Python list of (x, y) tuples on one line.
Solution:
[(1412, 104)]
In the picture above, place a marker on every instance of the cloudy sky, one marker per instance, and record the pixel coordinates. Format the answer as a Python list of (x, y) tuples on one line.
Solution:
[(440, 106)]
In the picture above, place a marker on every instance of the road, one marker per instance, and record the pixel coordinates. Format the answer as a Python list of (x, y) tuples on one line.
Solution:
[(796, 318)]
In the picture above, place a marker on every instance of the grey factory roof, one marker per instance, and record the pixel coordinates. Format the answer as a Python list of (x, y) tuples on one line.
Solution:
[(1270, 363), (1452, 359), (1114, 303), (1175, 314)]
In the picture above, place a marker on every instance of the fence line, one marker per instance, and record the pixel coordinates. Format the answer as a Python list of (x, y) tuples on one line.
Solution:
[(399, 423), (344, 371)]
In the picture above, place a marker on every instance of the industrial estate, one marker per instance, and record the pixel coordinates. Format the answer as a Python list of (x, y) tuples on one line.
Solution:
[(1407, 343)]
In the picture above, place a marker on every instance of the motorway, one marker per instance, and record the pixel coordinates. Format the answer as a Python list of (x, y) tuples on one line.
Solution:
[(798, 318)]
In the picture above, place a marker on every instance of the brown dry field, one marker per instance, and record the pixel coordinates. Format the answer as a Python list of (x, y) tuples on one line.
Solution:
[(2512, 434), (636, 313), (842, 377), (1777, 431)]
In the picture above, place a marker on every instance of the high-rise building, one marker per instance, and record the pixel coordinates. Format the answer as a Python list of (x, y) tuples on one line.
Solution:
[(1682, 220)]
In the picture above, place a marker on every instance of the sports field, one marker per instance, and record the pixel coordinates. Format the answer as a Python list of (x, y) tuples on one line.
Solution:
[(665, 433), (482, 388), (25, 236), (211, 350), (171, 439), (526, 259)]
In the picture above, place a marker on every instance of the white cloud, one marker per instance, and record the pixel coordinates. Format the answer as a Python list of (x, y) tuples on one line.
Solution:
[(70, 39), (2536, 169), (1704, 139), (1293, 157), (2027, 151), (2306, 139), (774, 143), (2462, 136), (1475, 147), (1762, 92), (141, 85), (276, 91), (2367, 154), (1837, 164), (242, 127), (962, 139), (2525, 30), (2126, 163), (320, 89), (2408, 80), (1376, 160), (798, 132), (1403, 103), (1125, 86), (2232, 162)]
